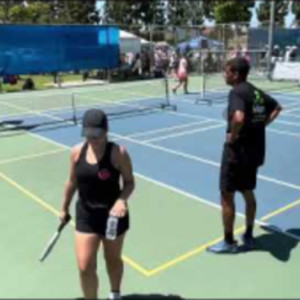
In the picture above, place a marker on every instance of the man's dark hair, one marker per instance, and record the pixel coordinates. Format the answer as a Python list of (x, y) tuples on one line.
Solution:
[(239, 65)]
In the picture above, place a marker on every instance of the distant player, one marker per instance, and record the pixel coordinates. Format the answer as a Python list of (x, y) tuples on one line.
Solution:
[(182, 75)]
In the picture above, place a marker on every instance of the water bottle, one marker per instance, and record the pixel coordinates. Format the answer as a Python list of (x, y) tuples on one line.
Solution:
[(111, 228)]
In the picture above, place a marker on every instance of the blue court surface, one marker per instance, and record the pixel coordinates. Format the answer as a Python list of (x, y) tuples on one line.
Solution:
[(179, 150)]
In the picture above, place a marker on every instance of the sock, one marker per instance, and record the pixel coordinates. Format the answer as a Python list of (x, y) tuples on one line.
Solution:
[(115, 296), (249, 231), (229, 237)]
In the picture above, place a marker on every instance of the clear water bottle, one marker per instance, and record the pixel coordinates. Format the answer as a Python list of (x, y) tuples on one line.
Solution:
[(111, 228)]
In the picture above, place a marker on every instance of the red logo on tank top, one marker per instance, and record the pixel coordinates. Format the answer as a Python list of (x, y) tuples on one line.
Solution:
[(104, 174)]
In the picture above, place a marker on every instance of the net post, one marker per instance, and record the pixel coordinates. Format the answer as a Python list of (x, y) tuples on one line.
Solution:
[(167, 88), (203, 80), (74, 114), (168, 104), (59, 80), (202, 77)]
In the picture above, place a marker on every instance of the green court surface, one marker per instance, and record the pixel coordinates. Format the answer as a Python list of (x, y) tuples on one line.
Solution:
[(164, 252), (175, 212)]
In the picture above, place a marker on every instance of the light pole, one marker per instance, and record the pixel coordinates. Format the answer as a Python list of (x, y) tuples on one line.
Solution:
[(271, 38)]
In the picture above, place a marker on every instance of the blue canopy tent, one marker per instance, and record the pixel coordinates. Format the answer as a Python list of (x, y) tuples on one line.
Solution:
[(197, 43)]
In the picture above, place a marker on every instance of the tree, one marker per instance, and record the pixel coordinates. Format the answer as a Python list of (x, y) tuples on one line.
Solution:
[(208, 9), (195, 10), (118, 12), (81, 12), (58, 12), (296, 11), (35, 13), (5, 6), (159, 14), (234, 15), (233, 11), (176, 12), (185, 12), (49, 12), (263, 12), (137, 12), (228, 11)]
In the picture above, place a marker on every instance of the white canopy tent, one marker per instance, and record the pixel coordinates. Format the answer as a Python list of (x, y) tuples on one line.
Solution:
[(129, 42)]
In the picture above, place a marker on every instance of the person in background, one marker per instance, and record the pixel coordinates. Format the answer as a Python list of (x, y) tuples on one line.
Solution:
[(287, 53), (246, 55), (173, 65), (137, 65), (158, 64), (293, 53), (182, 75)]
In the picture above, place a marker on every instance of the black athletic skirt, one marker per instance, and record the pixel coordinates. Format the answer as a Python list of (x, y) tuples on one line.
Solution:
[(94, 220)]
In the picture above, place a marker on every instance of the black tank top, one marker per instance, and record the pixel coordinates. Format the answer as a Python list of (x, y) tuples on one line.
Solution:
[(98, 184)]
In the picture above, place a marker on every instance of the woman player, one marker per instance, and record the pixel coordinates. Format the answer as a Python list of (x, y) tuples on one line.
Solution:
[(97, 166), (182, 74)]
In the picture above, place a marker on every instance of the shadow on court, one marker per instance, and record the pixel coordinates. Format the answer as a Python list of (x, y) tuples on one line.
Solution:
[(277, 244), (151, 297), (146, 297)]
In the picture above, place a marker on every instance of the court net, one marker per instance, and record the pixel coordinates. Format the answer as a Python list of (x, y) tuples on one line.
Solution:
[(27, 111), (211, 64)]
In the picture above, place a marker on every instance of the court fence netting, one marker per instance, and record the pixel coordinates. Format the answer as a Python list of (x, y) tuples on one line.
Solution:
[(209, 66)]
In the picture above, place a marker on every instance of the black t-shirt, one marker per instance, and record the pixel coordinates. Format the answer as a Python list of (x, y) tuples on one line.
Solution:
[(249, 148)]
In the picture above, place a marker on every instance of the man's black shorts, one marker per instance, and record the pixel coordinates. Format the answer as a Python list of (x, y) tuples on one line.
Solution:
[(235, 176)]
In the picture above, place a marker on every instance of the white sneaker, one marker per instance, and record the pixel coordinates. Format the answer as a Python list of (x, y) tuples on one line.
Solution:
[(115, 296)]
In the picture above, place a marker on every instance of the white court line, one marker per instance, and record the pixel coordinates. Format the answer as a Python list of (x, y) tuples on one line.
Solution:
[(284, 98), (288, 123), (32, 156), (268, 128), (80, 90), (189, 132), (172, 112), (292, 115), (285, 106), (292, 109), (196, 158), (169, 187), (9, 105), (101, 103), (293, 96), (202, 160), (191, 196), (284, 132), (170, 128)]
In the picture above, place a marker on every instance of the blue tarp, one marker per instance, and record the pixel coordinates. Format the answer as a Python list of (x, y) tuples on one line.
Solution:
[(32, 49), (259, 37), (196, 43)]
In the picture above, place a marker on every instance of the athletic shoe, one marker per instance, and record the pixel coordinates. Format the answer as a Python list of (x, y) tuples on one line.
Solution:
[(249, 242), (115, 296), (224, 247)]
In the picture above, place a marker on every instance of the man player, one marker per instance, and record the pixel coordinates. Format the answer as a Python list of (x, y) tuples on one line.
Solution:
[(250, 110)]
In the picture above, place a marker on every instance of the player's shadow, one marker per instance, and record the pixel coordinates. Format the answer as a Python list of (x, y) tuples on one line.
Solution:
[(277, 244), (151, 297)]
